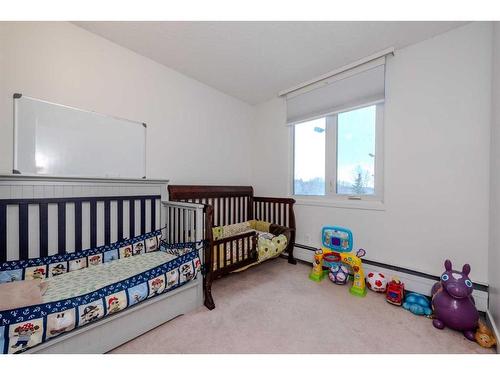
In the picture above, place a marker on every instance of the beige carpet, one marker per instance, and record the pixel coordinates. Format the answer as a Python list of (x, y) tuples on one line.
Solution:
[(274, 308)]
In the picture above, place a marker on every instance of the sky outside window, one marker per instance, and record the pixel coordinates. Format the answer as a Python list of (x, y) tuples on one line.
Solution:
[(309, 162), (356, 151)]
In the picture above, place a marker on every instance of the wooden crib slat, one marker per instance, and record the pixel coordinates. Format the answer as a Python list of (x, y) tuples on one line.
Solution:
[(93, 223), (107, 222), (119, 215), (244, 251), (224, 212), (178, 234), (23, 231), (78, 226), (215, 254), (217, 211), (143, 215), (171, 224), (131, 218), (61, 228), (153, 214), (43, 225), (183, 225), (3, 232), (224, 254)]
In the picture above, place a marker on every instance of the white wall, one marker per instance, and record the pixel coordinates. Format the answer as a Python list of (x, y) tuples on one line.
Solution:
[(494, 252), (62, 63), (437, 135)]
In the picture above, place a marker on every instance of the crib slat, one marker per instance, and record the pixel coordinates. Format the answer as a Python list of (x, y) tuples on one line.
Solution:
[(61, 227), (215, 260), (143, 216), (226, 255), (43, 225), (153, 214), (23, 231), (93, 223), (240, 208), (233, 204), (219, 221), (119, 214), (170, 225), (3, 232), (78, 226), (131, 211), (178, 213), (107, 222), (184, 225)]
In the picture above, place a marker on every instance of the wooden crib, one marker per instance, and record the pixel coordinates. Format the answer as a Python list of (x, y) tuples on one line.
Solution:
[(44, 216), (225, 205)]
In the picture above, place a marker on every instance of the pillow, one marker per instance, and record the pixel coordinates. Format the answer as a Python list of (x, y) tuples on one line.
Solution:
[(21, 293)]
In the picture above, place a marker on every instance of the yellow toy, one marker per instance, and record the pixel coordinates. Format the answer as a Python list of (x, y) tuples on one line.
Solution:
[(337, 247), (317, 273)]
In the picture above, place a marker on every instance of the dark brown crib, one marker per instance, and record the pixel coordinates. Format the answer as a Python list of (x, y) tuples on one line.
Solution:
[(225, 205)]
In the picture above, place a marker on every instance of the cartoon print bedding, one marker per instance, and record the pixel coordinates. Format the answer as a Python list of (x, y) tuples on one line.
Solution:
[(269, 245), (89, 285)]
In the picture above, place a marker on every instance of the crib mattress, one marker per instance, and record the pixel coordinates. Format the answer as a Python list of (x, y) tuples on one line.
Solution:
[(85, 296), (93, 278)]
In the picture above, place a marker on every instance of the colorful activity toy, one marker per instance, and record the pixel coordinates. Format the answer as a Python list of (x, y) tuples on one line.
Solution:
[(337, 249), (452, 302)]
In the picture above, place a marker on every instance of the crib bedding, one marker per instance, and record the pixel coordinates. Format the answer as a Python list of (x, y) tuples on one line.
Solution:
[(84, 296), (268, 245), (87, 280)]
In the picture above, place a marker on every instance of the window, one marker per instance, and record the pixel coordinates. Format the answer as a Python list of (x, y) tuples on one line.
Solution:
[(309, 158), (339, 155)]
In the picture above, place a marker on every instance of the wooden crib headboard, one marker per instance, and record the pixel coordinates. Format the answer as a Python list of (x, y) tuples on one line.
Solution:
[(41, 216), (231, 204)]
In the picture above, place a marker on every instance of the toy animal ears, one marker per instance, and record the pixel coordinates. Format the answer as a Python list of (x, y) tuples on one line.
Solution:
[(466, 269), (447, 265)]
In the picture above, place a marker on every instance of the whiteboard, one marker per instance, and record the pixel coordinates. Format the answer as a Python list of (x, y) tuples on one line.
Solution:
[(57, 140)]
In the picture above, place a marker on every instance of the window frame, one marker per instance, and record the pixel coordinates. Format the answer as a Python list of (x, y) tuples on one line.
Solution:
[(331, 197)]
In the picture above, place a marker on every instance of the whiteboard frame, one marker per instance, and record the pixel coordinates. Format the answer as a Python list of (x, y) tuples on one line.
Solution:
[(15, 169)]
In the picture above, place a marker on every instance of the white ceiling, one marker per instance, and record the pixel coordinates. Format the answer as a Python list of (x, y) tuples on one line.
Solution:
[(253, 61)]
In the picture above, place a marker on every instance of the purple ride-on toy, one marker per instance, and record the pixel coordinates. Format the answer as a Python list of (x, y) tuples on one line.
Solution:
[(452, 302)]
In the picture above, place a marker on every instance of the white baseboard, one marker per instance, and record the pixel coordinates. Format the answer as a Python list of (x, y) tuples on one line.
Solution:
[(415, 283), (491, 322)]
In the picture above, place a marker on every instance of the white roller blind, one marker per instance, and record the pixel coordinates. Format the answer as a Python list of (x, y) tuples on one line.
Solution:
[(358, 86)]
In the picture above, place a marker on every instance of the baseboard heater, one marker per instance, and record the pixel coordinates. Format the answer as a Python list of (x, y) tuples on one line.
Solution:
[(415, 281)]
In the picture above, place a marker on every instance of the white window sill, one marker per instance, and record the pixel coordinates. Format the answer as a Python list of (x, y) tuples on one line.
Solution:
[(339, 203)]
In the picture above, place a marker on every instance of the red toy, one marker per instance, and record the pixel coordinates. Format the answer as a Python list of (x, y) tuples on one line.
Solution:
[(395, 292)]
